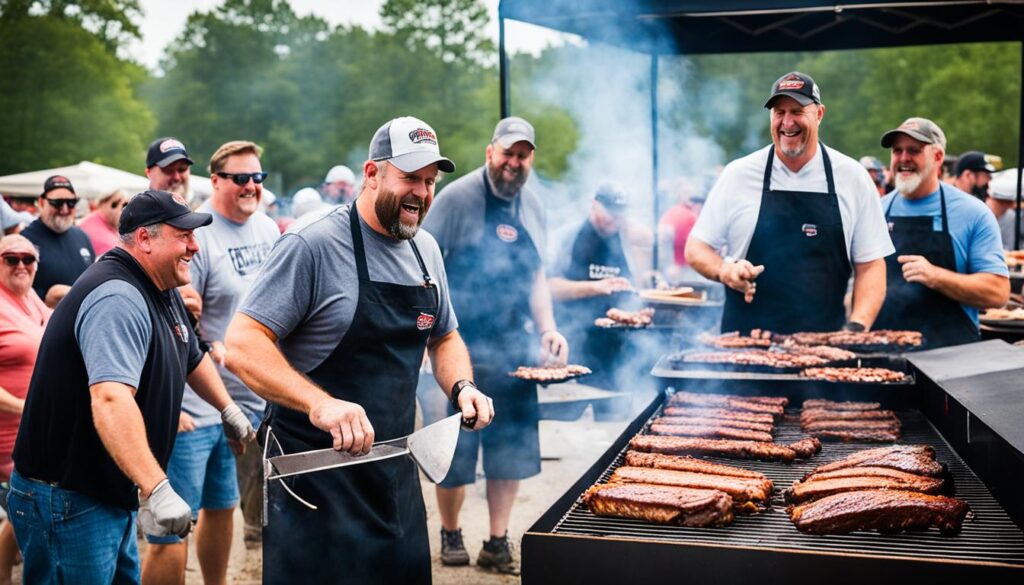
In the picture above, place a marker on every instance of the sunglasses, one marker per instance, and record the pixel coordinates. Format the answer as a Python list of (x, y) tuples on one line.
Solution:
[(69, 203), (118, 204), (14, 259), (242, 179)]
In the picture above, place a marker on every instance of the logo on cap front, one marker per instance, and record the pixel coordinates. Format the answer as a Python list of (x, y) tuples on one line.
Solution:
[(422, 135), (171, 144), (424, 321), (791, 82), (910, 125)]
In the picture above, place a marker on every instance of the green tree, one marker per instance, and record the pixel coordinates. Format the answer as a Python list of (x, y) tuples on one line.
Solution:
[(67, 99), (113, 21)]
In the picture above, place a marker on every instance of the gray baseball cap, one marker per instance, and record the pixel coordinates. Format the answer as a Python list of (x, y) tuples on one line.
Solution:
[(410, 144), (921, 129), (514, 129)]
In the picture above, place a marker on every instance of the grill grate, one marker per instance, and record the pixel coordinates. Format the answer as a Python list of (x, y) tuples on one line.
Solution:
[(990, 537)]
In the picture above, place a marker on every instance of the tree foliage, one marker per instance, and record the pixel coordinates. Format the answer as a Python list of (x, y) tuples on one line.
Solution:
[(113, 21)]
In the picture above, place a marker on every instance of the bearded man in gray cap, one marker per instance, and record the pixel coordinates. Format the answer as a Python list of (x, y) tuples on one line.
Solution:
[(340, 362)]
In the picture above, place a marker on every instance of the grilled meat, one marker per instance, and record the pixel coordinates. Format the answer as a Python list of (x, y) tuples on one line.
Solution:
[(872, 375), (851, 425), (720, 447), (821, 403), (917, 459), (832, 354), (889, 435), (715, 422), (857, 338), (734, 340), (619, 318), (720, 413), (755, 357), (552, 374), (868, 471), (726, 401), (819, 414), (709, 431), (806, 448), (661, 504), (741, 489), (813, 489), (678, 463), (887, 511)]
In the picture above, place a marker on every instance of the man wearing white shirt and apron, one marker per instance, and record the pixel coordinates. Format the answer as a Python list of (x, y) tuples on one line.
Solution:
[(785, 227)]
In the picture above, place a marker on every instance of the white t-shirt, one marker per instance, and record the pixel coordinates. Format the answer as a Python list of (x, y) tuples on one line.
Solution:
[(727, 221)]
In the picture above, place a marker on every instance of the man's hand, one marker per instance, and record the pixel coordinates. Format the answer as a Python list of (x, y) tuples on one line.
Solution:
[(237, 428), (740, 276), (163, 512), (918, 269), (347, 423), (474, 404), (186, 423), (554, 348), (609, 286)]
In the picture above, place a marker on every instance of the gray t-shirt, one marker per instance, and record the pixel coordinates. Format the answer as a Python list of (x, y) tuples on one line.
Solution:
[(456, 218), (308, 288), (113, 330), (230, 255), (1007, 227)]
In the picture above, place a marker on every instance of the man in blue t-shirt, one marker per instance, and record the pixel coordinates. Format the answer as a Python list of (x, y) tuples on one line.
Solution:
[(949, 257)]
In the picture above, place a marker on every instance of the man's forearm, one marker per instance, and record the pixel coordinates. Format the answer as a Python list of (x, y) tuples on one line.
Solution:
[(450, 360), (254, 357), (982, 290), (205, 380), (540, 304), (563, 289), (868, 291), (122, 430), (703, 258)]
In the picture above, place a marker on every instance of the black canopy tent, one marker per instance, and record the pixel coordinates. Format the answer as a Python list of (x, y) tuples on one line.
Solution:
[(662, 27)]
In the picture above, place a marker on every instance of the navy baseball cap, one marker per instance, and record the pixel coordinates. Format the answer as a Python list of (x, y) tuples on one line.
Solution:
[(796, 85), (57, 182), (152, 207), (613, 197), (973, 161), (164, 151)]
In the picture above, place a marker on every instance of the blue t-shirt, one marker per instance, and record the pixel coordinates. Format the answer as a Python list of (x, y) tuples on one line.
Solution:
[(976, 239)]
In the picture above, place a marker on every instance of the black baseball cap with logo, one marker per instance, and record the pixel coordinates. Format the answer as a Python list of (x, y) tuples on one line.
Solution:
[(973, 161), (152, 207), (164, 151), (56, 182), (796, 85)]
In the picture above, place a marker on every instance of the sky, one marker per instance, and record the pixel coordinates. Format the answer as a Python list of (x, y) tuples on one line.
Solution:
[(163, 21)]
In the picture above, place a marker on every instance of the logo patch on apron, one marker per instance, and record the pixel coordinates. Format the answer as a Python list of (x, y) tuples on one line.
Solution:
[(891, 225), (424, 321), (810, 230), (507, 233)]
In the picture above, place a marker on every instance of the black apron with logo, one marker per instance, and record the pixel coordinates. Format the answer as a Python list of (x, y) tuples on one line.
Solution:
[(371, 524), (911, 305), (594, 257), (491, 282), (799, 240)]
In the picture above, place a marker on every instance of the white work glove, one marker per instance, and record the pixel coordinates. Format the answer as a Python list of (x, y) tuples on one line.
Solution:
[(164, 513), (236, 424)]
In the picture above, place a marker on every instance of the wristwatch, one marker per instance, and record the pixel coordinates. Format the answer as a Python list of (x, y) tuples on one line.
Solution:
[(457, 389)]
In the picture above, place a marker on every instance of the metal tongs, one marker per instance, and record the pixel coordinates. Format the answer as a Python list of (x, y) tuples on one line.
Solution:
[(432, 448)]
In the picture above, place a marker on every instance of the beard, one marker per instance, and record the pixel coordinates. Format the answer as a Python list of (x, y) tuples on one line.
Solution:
[(388, 208), (506, 189), (179, 188), (59, 223), (979, 191), (910, 184)]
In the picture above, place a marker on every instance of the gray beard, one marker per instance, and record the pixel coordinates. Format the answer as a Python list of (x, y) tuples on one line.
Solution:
[(59, 224), (908, 186)]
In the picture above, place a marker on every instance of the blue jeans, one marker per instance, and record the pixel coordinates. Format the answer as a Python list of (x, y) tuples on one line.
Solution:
[(69, 537), (202, 471)]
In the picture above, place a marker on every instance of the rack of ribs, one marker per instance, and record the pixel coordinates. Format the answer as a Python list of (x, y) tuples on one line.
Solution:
[(759, 404), (872, 375), (742, 490), (917, 459), (733, 340), (867, 471), (820, 414), (715, 422), (852, 425), (814, 488), (821, 403), (661, 504), (859, 436), (687, 463), (719, 413), (720, 447), (885, 510), (806, 448), (709, 431)]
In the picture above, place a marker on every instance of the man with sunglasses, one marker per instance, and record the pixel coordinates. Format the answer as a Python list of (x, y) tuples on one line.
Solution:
[(101, 224), (102, 410), (64, 249), (202, 468)]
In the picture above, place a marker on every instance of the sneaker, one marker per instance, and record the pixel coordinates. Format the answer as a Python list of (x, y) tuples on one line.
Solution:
[(497, 555), (453, 552)]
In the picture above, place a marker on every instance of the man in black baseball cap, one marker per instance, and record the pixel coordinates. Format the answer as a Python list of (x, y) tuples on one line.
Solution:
[(168, 166), (152, 207), (64, 249), (973, 173)]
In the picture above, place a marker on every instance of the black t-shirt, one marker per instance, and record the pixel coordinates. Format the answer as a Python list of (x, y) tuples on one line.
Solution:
[(62, 257)]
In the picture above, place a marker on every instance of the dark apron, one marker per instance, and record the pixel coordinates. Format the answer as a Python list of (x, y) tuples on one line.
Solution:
[(490, 285), (799, 240), (911, 305), (594, 257), (371, 525)]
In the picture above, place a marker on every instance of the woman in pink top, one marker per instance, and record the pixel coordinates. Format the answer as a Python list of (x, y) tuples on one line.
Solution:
[(101, 224), (23, 316)]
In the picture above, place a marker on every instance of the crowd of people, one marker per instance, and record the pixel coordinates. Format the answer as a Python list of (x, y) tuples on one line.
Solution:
[(142, 346)]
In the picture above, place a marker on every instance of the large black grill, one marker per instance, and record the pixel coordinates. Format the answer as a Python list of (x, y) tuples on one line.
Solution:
[(571, 545)]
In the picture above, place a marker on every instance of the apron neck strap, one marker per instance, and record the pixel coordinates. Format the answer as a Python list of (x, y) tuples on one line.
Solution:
[(824, 159), (360, 250), (942, 205)]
